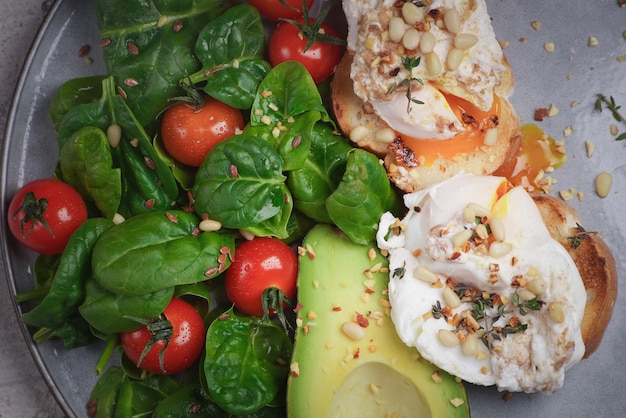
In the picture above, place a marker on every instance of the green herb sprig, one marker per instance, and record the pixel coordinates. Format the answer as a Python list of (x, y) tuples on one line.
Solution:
[(408, 63), (582, 233), (609, 103)]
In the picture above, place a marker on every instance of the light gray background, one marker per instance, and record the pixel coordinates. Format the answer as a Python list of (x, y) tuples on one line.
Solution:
[(23, 392)]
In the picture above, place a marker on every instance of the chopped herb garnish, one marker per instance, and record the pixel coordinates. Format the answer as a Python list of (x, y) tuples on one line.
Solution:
[(437, 310), (400, 272), (609, 103), (577, 238), (408, 63)]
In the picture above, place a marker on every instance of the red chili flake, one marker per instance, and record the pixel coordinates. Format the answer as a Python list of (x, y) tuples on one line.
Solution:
[(149, 163), (362, 321), (177, 26), (92, 407), (149, 203), (357, 353), (121, 92), (224, 317), (336, 308), (196, 231), (286, 197), (104, 42), (369, 291), (171, 217), (211, 271), (541, 113), (296, 141), (84, 50), (131, 82), (132, 48), (298, 307), (234, 172)]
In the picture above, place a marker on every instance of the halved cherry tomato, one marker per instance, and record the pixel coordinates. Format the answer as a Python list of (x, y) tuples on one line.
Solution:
[(261, 265), (275, 9), (189, 133), (180, 326), (43, 214), (289, 42)]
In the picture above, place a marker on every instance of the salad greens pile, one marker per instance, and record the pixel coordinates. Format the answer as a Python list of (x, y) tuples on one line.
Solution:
[(286, 171)]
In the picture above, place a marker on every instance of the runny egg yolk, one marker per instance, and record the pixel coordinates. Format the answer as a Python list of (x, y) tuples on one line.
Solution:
[(536, 153), (476, 123)]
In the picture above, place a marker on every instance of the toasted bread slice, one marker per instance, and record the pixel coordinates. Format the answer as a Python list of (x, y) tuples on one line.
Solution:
[(361, 124), (595, 263)]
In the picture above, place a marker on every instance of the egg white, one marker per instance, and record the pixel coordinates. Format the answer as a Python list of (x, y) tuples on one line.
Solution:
[(530, 361)]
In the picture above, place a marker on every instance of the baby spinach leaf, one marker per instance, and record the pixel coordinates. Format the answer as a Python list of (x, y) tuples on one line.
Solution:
[(363, 195), (320, 174), (231, 50), (72, 93), (246, 362), (86, 163), (149, 47), (159, 250), (241, 184)]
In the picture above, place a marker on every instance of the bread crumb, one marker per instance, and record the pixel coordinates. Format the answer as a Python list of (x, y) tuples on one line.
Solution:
[(614, 129), (504, 44), (581, 196), (621, 58), (568, 131), (593, 41), (565, 195), (590, 147), (549, 46), (570, 76), (575, 103), (553, 111), (535, 25)]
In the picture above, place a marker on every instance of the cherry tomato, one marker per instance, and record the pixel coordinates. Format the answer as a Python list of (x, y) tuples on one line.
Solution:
[(43, 214), (188, 134), (181, 326), (288, 43), (260, 264), (274, 9)]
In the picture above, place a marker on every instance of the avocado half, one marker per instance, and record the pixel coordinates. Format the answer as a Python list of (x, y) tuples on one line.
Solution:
[(341, 371)]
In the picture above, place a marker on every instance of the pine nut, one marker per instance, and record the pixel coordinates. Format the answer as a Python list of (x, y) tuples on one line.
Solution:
[(396, 29), (526, 294), (425, 274), (499, 249), (491, 137), (427, 43), (114, 135), (497, 229), (470, 345), (452, 19), (469, 215), (479, 210), (461, 237), (385, 135), (210, 225), (411, 39), (411, 13), (451, 298), (447, 338), (455, 58), (465, 40), (481, 231), (537, 286), (604, 181), (353, 331), (433, 64), (556, 312), (358, 133)]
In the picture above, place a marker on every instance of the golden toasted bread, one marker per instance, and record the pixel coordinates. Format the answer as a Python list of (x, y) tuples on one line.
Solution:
[(595, 263), (405, 168)]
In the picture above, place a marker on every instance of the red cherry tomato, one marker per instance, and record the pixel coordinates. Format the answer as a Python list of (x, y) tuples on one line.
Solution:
[(261, 263), (43, 214), (186, 340), (320, 59), (275, 10), (188, 134)]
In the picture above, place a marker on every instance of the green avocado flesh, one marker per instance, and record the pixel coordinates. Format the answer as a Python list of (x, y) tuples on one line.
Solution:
[(343, 374)]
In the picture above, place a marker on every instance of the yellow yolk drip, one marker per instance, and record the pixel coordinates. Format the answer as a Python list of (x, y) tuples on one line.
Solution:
[(537, 152), (429, 150)]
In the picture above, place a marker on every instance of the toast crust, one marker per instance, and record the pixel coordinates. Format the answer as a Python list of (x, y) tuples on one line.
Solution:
[(594, 261), (359, 122)]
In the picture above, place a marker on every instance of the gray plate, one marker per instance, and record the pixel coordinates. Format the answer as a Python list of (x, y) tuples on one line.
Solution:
[(573, 72)]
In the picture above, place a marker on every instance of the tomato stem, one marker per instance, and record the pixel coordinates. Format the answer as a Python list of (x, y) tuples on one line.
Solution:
[(33, 211), (274, 301), (310, 28), (35, 294), (161, 329)]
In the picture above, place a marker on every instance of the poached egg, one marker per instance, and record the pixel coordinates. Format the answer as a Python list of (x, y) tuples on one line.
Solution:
[(473, 260), (382, 77)]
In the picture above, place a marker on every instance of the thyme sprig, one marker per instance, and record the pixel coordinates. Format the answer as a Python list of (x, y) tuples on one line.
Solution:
[(609, 103), (576, 239), (409, 63)]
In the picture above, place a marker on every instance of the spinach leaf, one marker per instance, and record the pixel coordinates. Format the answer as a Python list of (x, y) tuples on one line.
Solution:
[(86, 163), (149, 47), (320, 174), (72, 93), (242, 185), (246, 363), (363, 195), (159, 250), (139, 397), (105, 392), (231, 50)]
